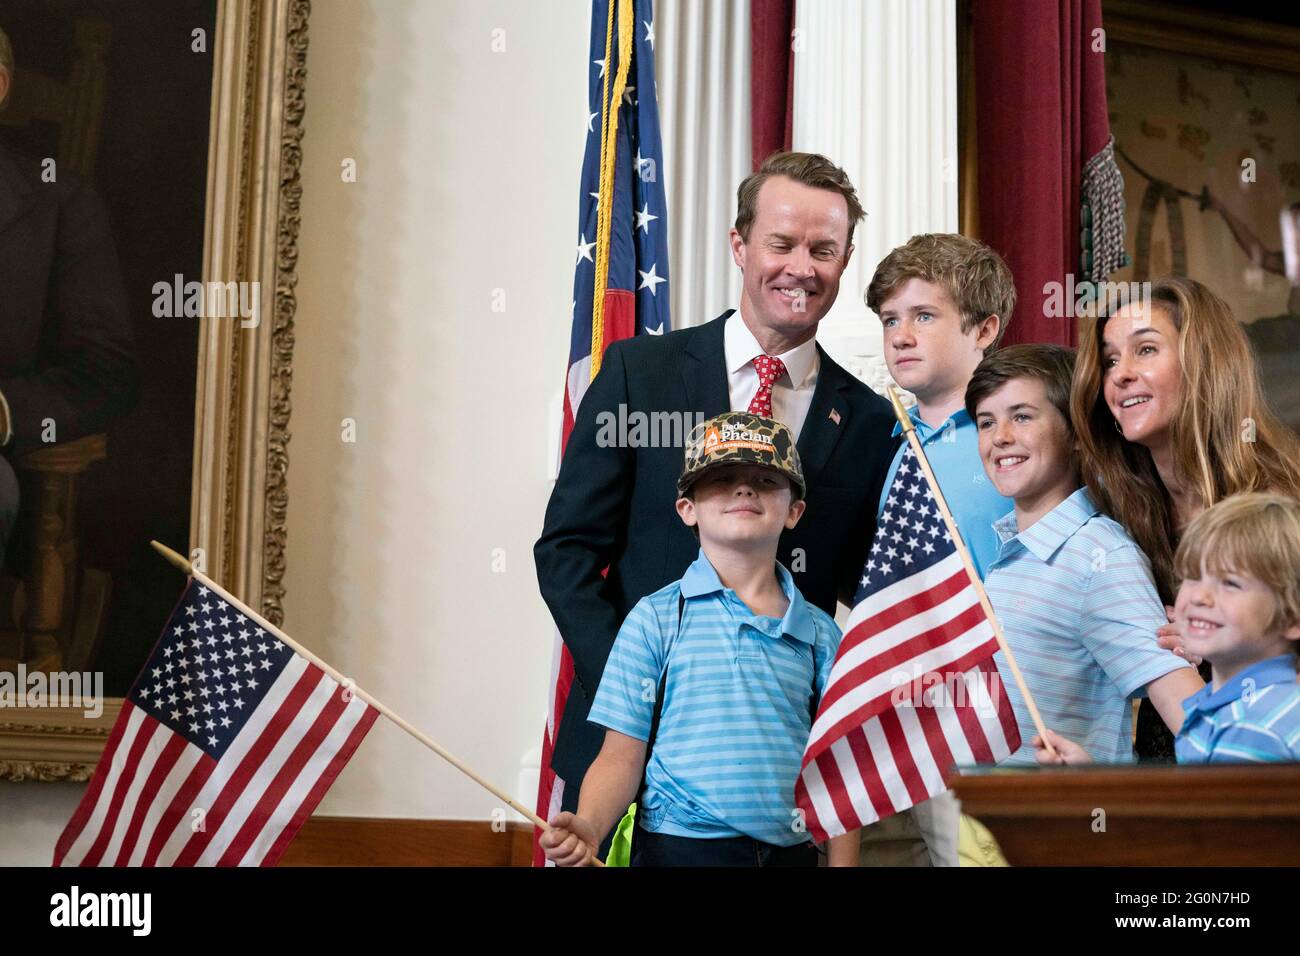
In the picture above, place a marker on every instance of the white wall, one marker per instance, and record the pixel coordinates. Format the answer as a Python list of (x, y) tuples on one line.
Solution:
[(32, 815), (468, 163)]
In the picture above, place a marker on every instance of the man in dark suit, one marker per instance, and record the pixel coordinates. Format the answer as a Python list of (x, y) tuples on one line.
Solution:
[(67, 365), (612, 505)]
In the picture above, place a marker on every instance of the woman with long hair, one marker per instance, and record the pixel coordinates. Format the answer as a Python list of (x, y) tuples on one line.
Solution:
[(1171, 418)]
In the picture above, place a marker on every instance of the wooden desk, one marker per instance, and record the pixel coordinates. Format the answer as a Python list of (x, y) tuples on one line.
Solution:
[(1225, 815)]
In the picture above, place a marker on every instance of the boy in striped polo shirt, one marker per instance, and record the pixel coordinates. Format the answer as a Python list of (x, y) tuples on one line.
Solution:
[(1072, 590), (945, 302), (1238, 607), (738, 659)]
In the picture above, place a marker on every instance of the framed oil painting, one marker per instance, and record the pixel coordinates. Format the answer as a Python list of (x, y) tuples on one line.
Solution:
[(149, 157)]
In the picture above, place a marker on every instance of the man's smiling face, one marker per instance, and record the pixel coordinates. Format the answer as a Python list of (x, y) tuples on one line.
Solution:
[(794, 257)]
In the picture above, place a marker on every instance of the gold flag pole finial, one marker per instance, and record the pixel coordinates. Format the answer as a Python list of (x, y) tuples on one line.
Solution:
[(904, 419), (179, 560)]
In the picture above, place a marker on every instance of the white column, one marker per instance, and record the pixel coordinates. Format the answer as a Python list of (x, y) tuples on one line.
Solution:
[(875, 90), (702, 69)]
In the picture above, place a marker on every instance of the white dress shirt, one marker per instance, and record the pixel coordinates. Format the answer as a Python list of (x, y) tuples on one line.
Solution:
[(792, 393)]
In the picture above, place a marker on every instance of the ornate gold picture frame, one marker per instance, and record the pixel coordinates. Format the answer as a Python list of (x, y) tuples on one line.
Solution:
[(237, 527)]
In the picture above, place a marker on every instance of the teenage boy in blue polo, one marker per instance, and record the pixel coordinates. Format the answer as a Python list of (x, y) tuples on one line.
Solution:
[(944, 302), (739, 660), (1073, 592)]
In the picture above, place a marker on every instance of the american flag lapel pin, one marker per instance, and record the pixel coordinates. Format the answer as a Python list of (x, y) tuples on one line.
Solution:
[(834, 416)]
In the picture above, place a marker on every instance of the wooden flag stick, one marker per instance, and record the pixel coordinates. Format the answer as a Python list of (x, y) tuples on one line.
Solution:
[(419, 735), (905, 420)]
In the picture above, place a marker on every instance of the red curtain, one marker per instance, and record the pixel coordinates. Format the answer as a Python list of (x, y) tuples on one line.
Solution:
[(1044, 136), (771, 76)]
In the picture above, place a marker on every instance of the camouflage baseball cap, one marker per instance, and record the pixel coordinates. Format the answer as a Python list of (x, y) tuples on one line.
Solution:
[(739, 438)]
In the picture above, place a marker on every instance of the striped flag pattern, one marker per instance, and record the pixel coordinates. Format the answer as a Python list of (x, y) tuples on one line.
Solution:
[(621, 272), (914, 690), (224, 746)]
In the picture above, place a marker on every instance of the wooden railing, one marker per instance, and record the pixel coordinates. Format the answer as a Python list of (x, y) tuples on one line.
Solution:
[(1223, 815)]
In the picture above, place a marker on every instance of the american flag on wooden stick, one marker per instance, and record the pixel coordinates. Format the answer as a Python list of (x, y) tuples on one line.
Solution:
[(914, 690), (224, 746)]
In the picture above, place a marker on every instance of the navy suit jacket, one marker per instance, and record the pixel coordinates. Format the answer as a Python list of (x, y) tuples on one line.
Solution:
[(613, 506)]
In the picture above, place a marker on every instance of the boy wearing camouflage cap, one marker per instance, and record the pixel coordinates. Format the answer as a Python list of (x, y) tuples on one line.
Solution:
[(736, 660)]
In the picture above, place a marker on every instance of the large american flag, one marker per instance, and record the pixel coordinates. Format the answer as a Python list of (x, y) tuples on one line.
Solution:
[(224, 746), (628, 257), (913, 690)]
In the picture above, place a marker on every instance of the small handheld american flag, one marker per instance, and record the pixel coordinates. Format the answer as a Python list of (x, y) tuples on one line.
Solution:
[(914, 690), (225, 744)]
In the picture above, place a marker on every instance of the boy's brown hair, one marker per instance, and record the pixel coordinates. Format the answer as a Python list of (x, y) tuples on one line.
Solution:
[(1053, 365), (973, 275), (1255, 533), (811, 169)]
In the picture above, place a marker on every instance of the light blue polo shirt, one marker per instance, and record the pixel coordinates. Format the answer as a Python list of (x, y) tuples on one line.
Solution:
[(737, 705), (1079, 609), (953, 450), (1253, 718)]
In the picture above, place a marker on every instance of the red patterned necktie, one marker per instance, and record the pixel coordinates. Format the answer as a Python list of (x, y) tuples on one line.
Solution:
[(769, 370)]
